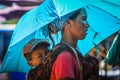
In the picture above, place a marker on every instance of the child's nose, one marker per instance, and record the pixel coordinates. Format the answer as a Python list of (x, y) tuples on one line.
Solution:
[(30, 63)]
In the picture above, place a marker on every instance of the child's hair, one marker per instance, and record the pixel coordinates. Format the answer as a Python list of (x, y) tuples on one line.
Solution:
[(40, 45)]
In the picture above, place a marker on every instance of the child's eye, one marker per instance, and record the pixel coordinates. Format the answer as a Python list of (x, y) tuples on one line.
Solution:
[(29, 58), (39, 56)]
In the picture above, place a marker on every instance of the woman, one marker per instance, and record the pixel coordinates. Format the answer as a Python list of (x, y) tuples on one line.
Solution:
[(71, 65)]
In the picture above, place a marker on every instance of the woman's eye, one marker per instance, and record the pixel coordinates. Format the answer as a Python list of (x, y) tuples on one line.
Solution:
[(84, 18)]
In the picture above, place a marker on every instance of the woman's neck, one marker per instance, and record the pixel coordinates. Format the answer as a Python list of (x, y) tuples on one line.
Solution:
[(68, 38), (69, 41)]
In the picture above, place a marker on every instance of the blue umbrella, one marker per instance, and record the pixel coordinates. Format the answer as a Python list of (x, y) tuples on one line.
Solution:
[(30, 26), (102, 25), (110, 6), (104, 21), (34, 23)]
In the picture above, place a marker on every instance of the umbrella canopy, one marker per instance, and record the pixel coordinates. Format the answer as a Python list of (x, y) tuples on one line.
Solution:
[(110, 6), (34, 23), (102, 25), (104, 21)]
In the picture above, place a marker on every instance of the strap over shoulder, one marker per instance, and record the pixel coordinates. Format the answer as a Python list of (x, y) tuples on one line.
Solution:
[(58, 49)]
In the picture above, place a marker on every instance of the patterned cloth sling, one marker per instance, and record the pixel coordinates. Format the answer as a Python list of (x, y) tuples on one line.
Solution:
[(43, 71)]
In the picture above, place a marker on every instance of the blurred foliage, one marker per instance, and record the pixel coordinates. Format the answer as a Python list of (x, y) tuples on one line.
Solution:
[(11, 21)]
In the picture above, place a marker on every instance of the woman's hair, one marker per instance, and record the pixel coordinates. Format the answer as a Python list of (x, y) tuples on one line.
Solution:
[(74, 16), (49, 29), (47, 34)]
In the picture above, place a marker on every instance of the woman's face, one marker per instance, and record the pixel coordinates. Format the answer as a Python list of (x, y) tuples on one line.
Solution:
[(36, 57), (80, 25)]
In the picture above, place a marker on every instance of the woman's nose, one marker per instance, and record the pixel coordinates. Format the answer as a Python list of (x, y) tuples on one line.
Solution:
[(87, 24)]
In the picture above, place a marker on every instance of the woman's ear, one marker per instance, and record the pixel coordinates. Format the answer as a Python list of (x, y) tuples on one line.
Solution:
[(68, 22), (51, 29)]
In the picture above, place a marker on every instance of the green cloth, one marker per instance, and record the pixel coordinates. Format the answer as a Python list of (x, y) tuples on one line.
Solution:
[(113, 56)]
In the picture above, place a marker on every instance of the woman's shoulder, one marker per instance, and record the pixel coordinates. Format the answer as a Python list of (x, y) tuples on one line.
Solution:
[(66, 54)]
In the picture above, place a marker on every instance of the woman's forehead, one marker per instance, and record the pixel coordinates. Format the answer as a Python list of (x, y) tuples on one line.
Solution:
[(81, 16), (83, 12)]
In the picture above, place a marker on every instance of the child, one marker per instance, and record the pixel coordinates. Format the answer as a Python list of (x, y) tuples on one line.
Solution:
[(37, 54)]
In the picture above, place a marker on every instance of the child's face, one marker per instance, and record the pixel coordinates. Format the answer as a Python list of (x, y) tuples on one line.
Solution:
[(36, 57)]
